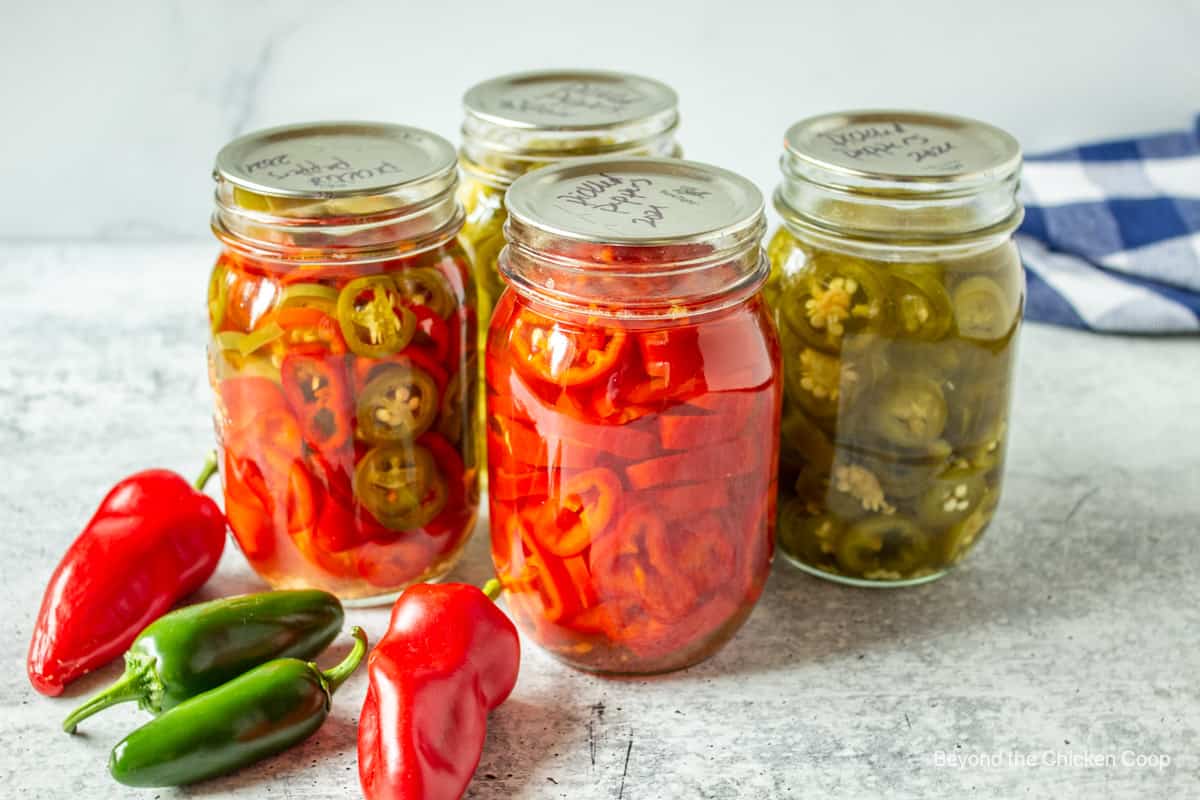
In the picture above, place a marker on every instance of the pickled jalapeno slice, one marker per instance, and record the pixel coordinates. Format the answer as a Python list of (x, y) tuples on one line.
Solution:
[(816, 381), (374, 321), (423, 286), (811, 537), (889, 547), (922, 305), (911, 411), (400, 485), (245, 344), (399, 403), (450, 415), (310, 295), (981, 309), (951, 496), (843, 294), (218, 296), (562, 356)]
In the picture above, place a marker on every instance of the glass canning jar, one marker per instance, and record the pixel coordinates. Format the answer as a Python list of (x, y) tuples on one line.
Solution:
[(516, 123), (342, 356), (898, 293), (633, 393)]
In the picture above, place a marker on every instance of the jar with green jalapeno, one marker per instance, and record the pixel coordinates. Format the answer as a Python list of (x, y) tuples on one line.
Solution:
[(898, 295), (342, 356), (517, 123)]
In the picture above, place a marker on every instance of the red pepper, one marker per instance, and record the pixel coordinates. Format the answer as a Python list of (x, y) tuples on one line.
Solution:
[(561, 355), (316, 389), (567, 524), (153, 540), (433, 334), (449, 657)]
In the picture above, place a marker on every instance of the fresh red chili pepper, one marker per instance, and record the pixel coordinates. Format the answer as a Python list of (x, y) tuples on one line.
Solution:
[(153, 540), (316, 389), (449, 657)]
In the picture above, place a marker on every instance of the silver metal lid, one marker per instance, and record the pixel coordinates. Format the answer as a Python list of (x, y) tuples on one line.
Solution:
[(337, 159), (635, 201), (572, 100), (905, 151)]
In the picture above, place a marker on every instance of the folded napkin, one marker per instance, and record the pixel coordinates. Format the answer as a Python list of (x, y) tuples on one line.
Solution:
[(1111, 237)]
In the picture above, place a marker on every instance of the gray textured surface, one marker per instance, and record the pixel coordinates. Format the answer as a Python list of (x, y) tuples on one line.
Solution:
[(1072, 629)]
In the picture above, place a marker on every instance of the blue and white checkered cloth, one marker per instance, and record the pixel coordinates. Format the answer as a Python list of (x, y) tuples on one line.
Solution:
[(1111, 237)]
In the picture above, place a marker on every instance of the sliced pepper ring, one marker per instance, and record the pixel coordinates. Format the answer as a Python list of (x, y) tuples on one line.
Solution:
[(559, 355), (581, 512), (888, 547), (400, 485), (922, 305), (424, 286), (399, 403), (910, 411), (374, 321), (981, 309)]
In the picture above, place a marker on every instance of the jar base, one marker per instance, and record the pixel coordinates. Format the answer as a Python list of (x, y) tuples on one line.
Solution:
[(862, 583)]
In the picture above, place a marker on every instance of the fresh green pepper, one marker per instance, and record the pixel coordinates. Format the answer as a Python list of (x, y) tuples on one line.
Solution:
[(400, 485), (398, 404), (200, 647), (374, 321), (258, 714)]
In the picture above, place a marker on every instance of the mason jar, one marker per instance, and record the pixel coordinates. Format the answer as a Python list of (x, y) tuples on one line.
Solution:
[(516, 123), (898, 293), (633, 393), (342, 356)]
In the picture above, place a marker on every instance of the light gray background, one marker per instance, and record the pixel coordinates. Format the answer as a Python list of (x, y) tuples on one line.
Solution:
[(1072, 630), (112, 112)]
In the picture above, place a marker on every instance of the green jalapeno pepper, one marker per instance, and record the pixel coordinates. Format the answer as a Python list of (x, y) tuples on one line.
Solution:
[(310, 295), (922, 305), (951, 496), (200, 647), (398, 404), (911, 411), (400, 485), (425, 287), (883, 546), (809, 536), (981, 309), (246, 343), (258, 714), (374, 321)]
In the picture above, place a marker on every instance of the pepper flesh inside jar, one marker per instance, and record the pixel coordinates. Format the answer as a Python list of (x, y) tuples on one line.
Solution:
[(896, 404), (349, 465)]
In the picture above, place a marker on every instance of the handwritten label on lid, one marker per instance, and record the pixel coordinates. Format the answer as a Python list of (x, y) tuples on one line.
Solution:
[(902, 144), (631, 202), (577, 99), (331, 159)]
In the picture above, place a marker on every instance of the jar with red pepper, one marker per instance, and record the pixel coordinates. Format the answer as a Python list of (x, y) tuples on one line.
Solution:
[(633, 393), (342, 356)]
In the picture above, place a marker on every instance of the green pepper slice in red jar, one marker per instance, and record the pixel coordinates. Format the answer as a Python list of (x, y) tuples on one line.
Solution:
[(423, 286), (400, 485), (374, 320), (398, 404)]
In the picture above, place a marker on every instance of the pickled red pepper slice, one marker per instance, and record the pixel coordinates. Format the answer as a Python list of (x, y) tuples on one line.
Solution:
[(559, 595), (700, 464), (373, 319), (567, 524), (562, 356), (316, 389), (310, 327)]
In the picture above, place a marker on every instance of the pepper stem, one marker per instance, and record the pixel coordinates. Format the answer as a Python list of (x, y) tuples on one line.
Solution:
[(492, 589), (210, 469), (128, 687), (336, 676)]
